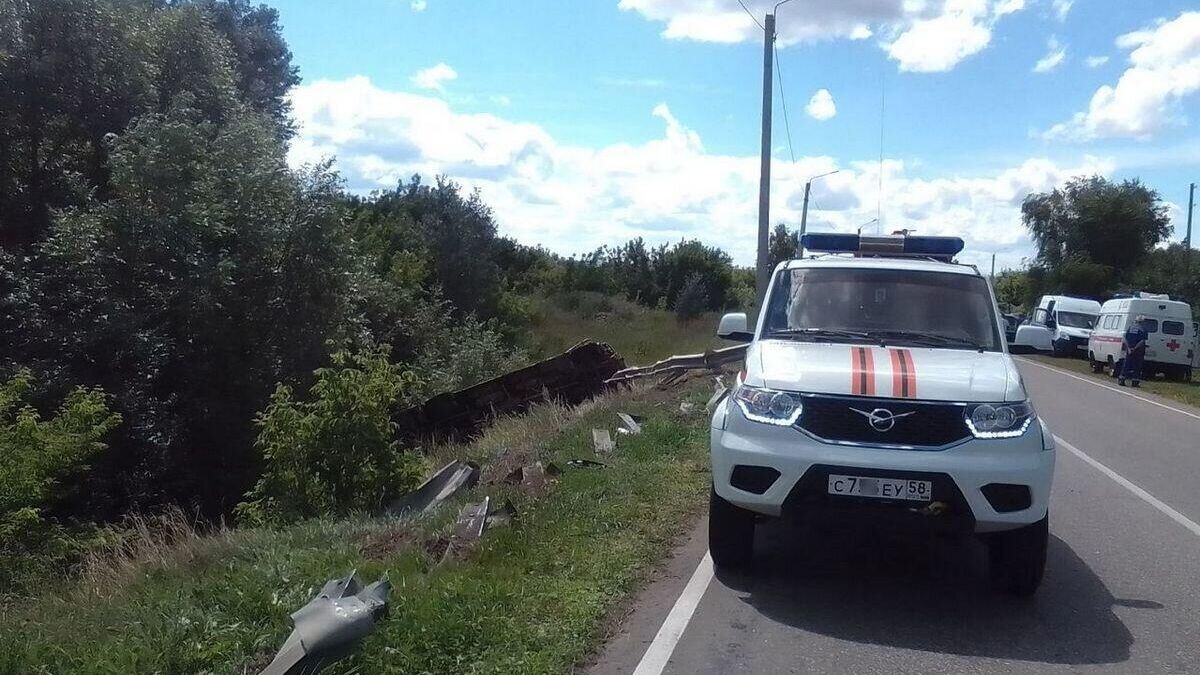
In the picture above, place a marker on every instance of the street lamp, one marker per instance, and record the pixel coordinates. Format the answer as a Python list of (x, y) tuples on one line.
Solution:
[(804, 211)]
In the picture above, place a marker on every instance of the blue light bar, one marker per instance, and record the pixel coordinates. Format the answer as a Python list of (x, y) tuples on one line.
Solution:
[(896, 245)]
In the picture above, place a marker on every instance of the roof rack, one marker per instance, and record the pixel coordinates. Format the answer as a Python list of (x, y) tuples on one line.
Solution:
[(941, 249)]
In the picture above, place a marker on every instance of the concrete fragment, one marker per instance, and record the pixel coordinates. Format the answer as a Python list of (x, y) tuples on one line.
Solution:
[(602, 441), (448, 481), (629, 424)]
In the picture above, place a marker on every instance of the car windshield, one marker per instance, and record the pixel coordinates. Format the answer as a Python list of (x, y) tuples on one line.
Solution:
[(1076, 319), (915, 308)]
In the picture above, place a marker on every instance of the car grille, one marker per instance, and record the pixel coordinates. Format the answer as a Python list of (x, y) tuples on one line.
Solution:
[(930, 425)]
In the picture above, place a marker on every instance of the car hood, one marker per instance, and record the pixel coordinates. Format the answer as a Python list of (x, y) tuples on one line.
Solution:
[(923, 373), (1075, 332)]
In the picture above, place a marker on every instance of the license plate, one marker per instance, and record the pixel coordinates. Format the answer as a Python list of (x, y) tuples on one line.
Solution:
[(881, 488)]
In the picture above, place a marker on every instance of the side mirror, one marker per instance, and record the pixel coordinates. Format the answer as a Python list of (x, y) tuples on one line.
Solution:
[(733, 327)]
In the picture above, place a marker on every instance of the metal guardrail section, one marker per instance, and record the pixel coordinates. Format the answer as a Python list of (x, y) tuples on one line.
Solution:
[(572, 377), (710, 360)]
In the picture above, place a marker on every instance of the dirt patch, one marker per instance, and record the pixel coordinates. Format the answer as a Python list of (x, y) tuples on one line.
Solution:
[(390, 542)]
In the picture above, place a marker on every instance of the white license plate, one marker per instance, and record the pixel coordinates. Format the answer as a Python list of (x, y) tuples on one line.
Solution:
[(881, 488)]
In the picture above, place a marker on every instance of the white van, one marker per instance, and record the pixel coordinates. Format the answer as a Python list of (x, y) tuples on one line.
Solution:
[(1060, 324), (1170, 348)]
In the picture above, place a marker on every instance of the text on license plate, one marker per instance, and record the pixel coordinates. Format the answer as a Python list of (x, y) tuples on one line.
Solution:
[(881, 488)]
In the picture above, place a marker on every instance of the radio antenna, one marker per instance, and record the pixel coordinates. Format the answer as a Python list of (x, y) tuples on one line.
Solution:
[(879, 191)]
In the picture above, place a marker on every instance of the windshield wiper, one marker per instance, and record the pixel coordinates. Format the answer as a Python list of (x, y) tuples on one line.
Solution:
[(932, 339), (825, 333)]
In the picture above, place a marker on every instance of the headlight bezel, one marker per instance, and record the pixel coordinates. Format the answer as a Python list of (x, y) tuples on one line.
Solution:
[(767, 406), (999, 420)]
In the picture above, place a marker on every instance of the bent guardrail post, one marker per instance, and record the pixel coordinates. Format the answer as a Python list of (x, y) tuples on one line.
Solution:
[(676, 365), (330, 625)]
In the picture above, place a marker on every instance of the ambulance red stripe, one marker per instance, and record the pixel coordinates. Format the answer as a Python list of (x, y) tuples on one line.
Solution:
[(869, 363)]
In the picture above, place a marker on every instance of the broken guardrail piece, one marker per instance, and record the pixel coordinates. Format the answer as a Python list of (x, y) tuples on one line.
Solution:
[(572, 377), (629, 424), (602, 441), (710, 360), (585, 464), (330, 625), (442, 485), (719, 391)]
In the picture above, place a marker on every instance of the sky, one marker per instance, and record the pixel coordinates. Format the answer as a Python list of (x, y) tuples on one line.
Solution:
[(588, 122)]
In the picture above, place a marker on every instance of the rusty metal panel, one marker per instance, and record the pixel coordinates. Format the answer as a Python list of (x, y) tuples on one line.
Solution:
[(571, 377)]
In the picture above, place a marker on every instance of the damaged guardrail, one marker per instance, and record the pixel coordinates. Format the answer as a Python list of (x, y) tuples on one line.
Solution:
[(572, 377), (330, 625), (677, 365)]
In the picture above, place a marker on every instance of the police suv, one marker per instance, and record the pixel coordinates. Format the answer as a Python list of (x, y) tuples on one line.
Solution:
[(878, 390)]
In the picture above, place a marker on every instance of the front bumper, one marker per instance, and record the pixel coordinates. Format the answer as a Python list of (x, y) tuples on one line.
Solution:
[(959, 475)]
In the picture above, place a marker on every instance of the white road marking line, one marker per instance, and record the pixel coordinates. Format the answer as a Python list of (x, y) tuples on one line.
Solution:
[(1108, 387), (660, 650), (1123, 482)]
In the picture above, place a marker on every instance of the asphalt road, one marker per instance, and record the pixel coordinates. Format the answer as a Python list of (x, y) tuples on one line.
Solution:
[(1121, 593)]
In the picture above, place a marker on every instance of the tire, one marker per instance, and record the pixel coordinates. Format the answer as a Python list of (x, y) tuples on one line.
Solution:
[(730, 533), (1097, 366), (1117, 367), (1017, 558), (1057, 349)]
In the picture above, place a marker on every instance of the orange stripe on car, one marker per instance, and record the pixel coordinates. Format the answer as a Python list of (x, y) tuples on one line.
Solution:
[(869, 367), (856, 371)]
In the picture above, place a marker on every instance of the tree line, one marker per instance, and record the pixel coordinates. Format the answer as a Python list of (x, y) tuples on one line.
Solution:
[(1095, 238)]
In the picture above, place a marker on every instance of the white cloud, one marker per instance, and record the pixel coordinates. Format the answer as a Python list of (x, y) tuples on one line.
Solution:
[(1062, 8), (1053, 58), (419, 5), (920, 35), (500, 100), (572, 198), (433, 77), (1164, 69), (1095, 61), (821, 107)]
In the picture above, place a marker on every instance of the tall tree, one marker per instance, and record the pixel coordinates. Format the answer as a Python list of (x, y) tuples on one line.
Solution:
[(1094, 220), (783, 245)]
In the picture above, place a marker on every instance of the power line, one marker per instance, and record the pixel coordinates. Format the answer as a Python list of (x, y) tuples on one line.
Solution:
[(787, 126), (751, 15)]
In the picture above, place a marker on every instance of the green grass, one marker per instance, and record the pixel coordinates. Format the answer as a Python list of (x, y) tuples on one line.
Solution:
[(532, 598), (1184, 392), (640, 334)]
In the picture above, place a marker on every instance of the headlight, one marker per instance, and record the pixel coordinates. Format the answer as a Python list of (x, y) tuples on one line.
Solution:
[(999, 420), (768, 406)]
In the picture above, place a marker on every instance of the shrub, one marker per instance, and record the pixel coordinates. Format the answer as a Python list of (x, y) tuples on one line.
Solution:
[(335, 453), (35, 456), (692, 299)]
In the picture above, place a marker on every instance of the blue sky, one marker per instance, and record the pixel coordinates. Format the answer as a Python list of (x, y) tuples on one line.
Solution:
[(585, 122)]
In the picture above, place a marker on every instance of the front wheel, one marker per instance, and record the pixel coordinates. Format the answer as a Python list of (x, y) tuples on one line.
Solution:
[(1097, 366), (730, 533), (1018, 558)]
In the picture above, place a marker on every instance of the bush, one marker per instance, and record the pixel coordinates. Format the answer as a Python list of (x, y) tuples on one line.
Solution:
[(35, 456), (335, 453), (692, 299)]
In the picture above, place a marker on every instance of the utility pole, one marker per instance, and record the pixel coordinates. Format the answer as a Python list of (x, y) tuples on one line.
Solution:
[(1187, 238), (992, 276), (764, 178)]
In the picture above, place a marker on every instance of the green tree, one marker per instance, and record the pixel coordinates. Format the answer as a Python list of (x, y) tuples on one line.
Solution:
[(1173, 270), (1012, 290), (37, 457), (334, 453), (783, 245), (1092, 233)]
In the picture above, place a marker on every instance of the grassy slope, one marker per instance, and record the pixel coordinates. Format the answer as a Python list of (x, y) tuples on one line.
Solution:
[(531, 599), (639, 334), (1184, 392)]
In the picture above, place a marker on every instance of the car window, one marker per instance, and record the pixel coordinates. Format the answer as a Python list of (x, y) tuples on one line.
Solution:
[(1076, 319), (1173, 327), (1150, 325), (1110, 320), (937, 304), (1039, 316)]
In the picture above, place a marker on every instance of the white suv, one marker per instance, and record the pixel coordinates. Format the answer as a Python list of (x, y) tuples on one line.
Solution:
[(877, 389)]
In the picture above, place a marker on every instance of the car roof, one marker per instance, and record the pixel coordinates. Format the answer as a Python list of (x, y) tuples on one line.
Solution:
[(880, 262)]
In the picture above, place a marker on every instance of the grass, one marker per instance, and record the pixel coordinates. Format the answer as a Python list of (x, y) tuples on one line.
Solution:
[(640, 334), (1184, 392), (534, 597)]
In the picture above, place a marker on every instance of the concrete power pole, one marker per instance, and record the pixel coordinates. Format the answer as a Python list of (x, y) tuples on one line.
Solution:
[(1187, 238), (764, 180)]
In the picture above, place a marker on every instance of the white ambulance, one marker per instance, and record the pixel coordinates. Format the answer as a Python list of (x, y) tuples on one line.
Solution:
[(1170, 347), (878, 391)]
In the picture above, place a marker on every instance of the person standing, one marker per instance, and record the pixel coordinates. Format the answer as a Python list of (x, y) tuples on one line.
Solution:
[(1133, 344)]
